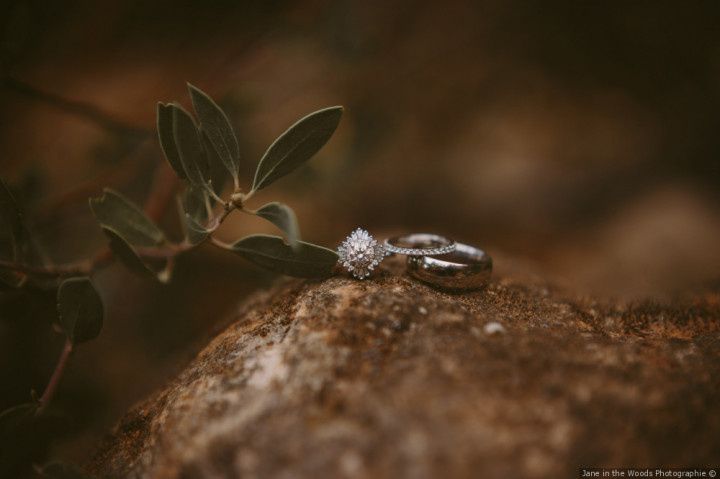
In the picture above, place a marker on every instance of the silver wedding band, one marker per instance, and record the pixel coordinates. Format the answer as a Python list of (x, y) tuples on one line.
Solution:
[(465, 268)]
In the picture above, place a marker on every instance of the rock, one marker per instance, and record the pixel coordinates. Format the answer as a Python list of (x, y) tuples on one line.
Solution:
[(493, 327), (388, 378)]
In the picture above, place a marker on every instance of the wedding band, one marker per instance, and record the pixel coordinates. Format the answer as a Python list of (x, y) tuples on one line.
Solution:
[(466, 268), (420, 244)]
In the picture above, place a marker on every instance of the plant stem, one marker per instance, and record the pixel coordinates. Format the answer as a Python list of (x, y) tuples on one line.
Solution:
[(228, 208), (56, 376), (213, 195), (78, 108), (164, 186), (167, 252), (61, 270), (80, 268), (220, 244)]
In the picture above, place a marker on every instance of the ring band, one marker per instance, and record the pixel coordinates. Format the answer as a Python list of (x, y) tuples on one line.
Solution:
[(467, 268), (419, 244)]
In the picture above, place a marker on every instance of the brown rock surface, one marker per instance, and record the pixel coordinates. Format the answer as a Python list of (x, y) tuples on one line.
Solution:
[(388, 378)]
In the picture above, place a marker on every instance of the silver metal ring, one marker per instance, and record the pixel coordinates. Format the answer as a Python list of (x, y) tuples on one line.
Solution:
[(420, 244), (466, 268)]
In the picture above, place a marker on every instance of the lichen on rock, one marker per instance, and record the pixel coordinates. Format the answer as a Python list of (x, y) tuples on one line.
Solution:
[(389, 378)]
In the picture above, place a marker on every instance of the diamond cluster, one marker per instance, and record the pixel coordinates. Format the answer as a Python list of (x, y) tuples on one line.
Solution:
[(360, 253)]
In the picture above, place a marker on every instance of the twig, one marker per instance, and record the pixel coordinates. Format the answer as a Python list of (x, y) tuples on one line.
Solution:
[(77, 108), (60, 271), (56, 376), (164, 186)]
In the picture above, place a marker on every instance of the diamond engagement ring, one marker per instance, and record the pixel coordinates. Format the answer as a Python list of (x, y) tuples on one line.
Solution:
[(360, 253), (461, 267), (420, 244)]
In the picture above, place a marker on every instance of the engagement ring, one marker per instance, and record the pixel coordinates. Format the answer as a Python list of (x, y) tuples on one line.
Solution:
[(360, 253), (461, 267)]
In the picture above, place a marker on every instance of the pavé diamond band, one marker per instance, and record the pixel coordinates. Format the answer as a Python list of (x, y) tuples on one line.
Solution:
[(420, 244)]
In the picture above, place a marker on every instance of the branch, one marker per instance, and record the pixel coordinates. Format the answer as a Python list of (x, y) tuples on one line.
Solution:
[(77, 108), (59, 271), (56, 376)]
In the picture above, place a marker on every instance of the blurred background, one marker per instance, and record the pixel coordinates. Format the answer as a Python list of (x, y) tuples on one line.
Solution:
[(578, 141)]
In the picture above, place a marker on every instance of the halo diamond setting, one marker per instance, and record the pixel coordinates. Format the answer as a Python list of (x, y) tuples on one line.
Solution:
[(360, 253)]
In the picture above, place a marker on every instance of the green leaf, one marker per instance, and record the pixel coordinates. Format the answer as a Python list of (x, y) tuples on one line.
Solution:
[(166, 135), (193, 207), (297, 145), (80, 310), (283, 217), (128, 229), (114, 211), (215, 124), (189, 146), (125, 253), (128, 256), (271, 252), (217, 175)]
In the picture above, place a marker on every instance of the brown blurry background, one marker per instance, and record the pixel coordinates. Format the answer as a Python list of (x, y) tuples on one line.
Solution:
[(578, 141)]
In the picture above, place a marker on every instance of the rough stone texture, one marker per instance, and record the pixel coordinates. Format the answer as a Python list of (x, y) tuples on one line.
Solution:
[(389, 378)]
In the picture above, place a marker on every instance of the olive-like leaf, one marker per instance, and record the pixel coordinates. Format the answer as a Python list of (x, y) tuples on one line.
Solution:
[(80, 310), (114, 211), (193, 208), (216, 125), (217, 175), (127, 255), (128, 229), (195, 233), (297, 145), (189, 146), (166, 135), (283, 217), (306, 260)]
